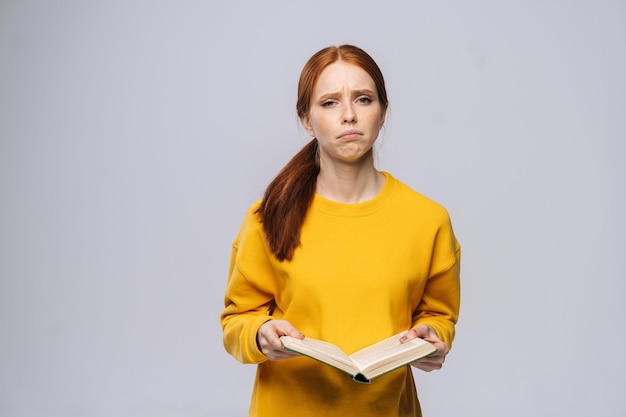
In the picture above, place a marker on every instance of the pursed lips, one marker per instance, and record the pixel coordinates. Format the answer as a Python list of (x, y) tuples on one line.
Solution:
[(350, 134)]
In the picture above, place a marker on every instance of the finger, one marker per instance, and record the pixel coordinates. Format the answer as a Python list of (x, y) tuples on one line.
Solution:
[(410, 335), (422, 331), (425, 331), (430, 363), (442, 348), (279, 354), (427, 367), (284, 328)]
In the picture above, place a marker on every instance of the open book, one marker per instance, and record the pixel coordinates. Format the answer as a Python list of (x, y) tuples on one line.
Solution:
[(368, 363)]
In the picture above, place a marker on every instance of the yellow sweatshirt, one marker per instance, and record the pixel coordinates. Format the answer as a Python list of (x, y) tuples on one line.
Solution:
[(363, 272)]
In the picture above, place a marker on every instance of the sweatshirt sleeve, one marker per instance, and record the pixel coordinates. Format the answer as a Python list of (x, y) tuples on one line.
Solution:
[(249, 293), (440, 303)]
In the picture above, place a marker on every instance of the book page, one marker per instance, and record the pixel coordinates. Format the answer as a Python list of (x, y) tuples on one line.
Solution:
[(318, 349), (391, 350), (378, 350)]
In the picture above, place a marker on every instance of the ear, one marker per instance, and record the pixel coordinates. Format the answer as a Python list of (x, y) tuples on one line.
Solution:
[(382, 119), (306, 122)]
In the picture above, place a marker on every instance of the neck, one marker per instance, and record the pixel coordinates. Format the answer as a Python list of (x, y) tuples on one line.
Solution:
[(349, 183)]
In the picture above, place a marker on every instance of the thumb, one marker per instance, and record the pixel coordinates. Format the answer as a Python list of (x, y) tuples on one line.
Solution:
[(284, 328), (422, 331)]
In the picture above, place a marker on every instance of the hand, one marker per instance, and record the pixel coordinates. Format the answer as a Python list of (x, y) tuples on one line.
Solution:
[(268, 339), (434, 361)]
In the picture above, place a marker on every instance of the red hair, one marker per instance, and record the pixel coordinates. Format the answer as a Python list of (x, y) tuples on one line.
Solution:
[(289, 195)]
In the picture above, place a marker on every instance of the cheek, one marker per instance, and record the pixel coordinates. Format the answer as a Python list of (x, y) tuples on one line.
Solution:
[(319, 124), (377, 120)]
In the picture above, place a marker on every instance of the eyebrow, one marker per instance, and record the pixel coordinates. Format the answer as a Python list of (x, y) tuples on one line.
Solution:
[(355, 93)]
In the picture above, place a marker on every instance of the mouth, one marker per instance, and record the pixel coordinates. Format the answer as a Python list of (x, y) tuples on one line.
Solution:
[(350, 134)]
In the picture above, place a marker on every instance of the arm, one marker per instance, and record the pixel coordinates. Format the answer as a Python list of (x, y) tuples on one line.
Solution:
[(245, 310), (435, 318), (249, 294), (250, 334), (439, 306)]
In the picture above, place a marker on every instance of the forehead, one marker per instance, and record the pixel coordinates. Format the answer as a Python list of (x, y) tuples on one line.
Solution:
[(341, 75)]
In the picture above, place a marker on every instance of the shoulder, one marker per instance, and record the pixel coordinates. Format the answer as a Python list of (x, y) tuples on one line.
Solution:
[(252, 211), (251, 225), (412, 200), (424, 213)]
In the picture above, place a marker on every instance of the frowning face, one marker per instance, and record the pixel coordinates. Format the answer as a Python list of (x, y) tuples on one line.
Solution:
[(345, 114)]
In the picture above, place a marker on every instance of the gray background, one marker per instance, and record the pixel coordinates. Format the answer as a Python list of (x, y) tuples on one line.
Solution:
[(134, 134)]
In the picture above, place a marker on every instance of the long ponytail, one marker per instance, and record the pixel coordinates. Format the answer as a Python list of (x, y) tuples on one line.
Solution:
[(287, 200)]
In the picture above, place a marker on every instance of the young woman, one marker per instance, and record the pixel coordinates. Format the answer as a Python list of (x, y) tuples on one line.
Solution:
[(339, 251)]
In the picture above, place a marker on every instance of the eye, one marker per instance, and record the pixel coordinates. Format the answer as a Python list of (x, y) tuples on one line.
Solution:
[(364, 100), (328, 103)]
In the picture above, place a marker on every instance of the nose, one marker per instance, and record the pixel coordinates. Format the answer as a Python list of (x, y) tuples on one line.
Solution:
[(349, 115)]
